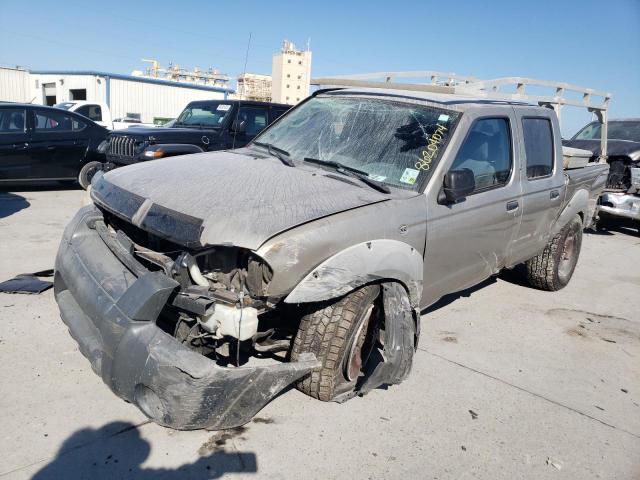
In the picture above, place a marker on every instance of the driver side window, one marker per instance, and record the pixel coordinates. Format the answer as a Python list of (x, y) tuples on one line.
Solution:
[(487, 153)]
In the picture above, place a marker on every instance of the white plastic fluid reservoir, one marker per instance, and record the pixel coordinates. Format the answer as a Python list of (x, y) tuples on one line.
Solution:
[(232, 321)]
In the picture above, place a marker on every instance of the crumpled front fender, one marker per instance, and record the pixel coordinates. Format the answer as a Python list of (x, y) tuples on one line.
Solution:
[(376, 260)]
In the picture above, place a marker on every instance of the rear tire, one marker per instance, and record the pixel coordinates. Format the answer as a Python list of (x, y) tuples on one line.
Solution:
[(342, 335), (87, 172), (553, 268)]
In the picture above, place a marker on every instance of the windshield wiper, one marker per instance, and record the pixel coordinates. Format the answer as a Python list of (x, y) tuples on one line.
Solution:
[(279, 153), (352, 172)]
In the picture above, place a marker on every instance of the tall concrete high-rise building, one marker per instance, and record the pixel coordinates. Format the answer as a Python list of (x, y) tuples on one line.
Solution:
[(291, 74)]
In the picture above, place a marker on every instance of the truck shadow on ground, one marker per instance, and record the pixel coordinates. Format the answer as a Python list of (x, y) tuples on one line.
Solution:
[(11, 203), (452, 297), (117, 450)]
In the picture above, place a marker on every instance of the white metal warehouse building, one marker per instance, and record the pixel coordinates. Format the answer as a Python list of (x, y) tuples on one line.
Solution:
[(145, 98)]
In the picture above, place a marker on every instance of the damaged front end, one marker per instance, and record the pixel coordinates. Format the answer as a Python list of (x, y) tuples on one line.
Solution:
[(177, 333), (621, 198)]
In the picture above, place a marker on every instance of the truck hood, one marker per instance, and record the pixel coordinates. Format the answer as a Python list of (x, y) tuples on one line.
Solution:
[(615, 148), (225, 198), (170, 135)]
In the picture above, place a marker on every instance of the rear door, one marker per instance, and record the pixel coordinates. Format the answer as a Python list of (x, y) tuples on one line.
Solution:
[(14, 144), (59, 144), (542, 179), (469, 241)]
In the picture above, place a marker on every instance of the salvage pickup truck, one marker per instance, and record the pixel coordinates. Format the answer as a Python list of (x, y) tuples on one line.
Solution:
[(200, 290)]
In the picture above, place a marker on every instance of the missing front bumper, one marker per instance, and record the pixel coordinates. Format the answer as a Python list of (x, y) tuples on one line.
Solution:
[(111, 313)]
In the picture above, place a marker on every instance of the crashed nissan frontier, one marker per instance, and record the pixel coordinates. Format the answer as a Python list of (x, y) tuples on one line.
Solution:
[(199, 290)]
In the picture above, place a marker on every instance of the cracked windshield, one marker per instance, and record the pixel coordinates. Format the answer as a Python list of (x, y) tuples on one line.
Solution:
[(396, 144)]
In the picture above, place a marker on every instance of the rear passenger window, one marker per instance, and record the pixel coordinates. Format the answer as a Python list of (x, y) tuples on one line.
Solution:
[(538, 145), (13, 120), (487, 153)]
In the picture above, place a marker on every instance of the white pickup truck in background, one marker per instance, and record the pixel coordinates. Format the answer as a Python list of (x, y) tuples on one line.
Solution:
[(100, 113)]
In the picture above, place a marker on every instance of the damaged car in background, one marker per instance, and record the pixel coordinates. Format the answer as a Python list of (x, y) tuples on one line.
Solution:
[(620, 201), (200, 292)]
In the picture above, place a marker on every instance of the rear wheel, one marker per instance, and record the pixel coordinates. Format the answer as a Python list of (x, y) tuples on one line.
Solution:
[(342, 335), (553, 267), (87, 172)]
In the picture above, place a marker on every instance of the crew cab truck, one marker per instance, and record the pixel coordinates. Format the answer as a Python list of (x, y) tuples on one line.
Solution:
[(199, 290), (620, 201)]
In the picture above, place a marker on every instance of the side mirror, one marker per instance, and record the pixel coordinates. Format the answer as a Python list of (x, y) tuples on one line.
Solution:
[(457, 185), (239, 126)]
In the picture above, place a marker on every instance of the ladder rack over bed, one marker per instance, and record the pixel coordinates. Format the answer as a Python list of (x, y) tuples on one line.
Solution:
[(453, 84)]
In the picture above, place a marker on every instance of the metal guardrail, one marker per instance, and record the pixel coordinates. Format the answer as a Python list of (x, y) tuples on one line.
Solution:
[(453, 84)]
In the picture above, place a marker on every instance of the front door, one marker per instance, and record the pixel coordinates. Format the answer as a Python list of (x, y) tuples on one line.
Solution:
[(14, 144), (58, 145), (469, 241)]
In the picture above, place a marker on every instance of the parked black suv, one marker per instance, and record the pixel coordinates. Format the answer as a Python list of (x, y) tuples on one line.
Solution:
[(39, 143), (202, 126)]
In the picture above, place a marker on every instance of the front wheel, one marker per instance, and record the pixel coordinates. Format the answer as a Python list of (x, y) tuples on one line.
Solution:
[(342, 334), (87, 172), (553, 268)]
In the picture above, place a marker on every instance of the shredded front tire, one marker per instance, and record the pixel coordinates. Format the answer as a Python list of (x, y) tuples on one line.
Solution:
[(339, 334)]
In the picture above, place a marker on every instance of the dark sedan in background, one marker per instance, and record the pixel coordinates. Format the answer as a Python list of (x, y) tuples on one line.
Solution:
[(40, 143)]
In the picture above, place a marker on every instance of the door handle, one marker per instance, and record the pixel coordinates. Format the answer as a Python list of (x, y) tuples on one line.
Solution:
[(554, 194), (512, 205)]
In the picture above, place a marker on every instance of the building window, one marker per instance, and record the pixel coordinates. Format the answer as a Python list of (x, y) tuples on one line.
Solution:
[(289, 61), (288, 76), (77, 94), (298, 87), (287, 85), (297, 99), (299, 77), (287, 98), (299, 62)]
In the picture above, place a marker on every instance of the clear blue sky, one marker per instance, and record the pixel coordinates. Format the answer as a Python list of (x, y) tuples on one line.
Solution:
[(590, 43)]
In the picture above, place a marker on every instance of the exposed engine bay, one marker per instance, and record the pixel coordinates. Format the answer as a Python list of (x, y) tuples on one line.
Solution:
[(220, 309)]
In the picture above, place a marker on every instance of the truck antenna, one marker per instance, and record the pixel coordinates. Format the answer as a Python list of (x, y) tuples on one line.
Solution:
[(244, 73)]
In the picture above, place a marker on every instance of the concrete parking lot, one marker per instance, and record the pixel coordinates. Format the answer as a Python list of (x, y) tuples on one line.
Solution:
[(509, 382)]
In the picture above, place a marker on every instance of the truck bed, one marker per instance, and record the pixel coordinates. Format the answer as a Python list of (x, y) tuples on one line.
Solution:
[(592, 179)]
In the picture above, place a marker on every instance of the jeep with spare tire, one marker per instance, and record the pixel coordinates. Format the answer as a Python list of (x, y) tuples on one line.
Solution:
[(199, 290)]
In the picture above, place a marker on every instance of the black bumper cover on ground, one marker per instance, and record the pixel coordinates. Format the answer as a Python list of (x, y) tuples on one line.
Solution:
[(111, 313)]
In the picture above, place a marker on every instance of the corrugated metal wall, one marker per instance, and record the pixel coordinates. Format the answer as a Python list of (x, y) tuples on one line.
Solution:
[(14, 85), (127, 96), (150, 100)]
